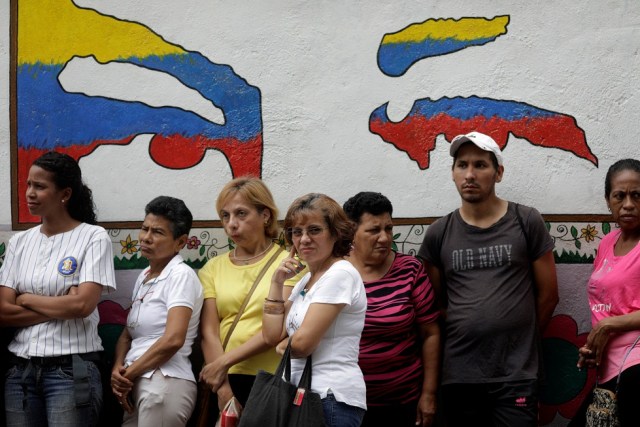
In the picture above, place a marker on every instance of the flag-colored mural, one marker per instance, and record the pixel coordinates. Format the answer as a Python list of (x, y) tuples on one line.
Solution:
[(416, 134), (53, 32), (399, 51)]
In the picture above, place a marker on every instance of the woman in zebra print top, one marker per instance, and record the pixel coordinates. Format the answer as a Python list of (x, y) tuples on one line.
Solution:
[(399, 348)]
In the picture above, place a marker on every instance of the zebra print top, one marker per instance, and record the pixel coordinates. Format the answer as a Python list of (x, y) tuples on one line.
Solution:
[(390, 347)]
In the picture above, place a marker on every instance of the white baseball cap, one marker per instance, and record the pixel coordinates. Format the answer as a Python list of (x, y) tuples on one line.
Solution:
[(480, 140)]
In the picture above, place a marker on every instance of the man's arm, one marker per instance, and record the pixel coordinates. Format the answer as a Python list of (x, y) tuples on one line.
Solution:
[(546, 281)]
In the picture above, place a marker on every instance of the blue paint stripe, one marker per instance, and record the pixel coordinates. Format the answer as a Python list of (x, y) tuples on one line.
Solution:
[(49, 117), (468, 108), (395, 59)]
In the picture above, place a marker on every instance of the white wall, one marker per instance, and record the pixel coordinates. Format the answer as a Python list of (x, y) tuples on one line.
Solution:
[(315, 65)]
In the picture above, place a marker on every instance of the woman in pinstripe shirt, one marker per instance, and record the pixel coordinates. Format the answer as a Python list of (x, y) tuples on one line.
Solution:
[(50, 285)]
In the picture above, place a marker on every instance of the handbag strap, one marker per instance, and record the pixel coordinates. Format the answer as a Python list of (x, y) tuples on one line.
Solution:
[(624, 360), (248, 296), (285, 367), (305, 379)]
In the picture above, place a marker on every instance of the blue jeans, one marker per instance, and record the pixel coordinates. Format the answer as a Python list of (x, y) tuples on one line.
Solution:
[(339, 414), (37, 395)]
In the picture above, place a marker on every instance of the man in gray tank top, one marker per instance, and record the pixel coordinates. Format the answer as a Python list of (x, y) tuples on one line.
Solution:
[(491, 262)]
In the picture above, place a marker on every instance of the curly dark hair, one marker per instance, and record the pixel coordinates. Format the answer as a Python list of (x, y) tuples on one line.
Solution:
[(334, 217), (67, 174), (367, 202)]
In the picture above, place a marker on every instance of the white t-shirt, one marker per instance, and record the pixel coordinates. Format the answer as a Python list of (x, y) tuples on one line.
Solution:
[(176, 286), (50, 266), (335, 360)]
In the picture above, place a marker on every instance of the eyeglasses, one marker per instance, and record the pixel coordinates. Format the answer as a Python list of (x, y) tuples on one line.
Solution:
[(312, 231)]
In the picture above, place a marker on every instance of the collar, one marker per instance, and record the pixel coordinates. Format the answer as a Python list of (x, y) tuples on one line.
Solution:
[(166, 271)]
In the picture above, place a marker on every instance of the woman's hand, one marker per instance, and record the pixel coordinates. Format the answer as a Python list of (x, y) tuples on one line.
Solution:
[(214, 374), (126, 402), (282, 346), (591, 353), (21, 299), (288, 268), (585, 358), (120, 385), (224, 395)]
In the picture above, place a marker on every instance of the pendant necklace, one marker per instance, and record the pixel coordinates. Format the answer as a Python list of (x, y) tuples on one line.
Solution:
[(245, 261)]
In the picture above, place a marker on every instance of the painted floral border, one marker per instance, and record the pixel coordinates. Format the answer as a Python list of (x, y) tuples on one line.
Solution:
[(575, 243)]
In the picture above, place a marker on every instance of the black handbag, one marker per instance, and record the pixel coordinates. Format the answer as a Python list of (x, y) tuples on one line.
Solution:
[(275, 402)]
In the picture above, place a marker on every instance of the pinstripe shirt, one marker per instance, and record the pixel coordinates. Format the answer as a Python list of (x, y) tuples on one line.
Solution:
[(50, 266)]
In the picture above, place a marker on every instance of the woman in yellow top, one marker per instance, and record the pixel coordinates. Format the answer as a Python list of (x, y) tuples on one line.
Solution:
[(249, 217)]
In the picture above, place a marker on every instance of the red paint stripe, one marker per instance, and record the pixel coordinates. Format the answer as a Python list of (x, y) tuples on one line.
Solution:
[(416, 135)]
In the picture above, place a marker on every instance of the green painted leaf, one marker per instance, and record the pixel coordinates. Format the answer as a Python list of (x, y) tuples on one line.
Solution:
[(574, 231), (578, 244), (202, 249), (606, 227), (548, 225), (2, 249)]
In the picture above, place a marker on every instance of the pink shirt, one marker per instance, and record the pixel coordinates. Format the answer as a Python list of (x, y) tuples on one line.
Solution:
[(614, 290)]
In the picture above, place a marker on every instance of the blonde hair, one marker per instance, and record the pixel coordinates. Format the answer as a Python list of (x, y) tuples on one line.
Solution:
[(256, 193)]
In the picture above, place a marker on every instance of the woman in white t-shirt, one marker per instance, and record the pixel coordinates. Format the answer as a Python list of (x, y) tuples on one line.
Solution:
[(325, 313), (152, 376)]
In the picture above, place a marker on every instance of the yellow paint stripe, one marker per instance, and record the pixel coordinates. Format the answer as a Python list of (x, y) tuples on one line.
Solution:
[(53, 31), (463, 29)]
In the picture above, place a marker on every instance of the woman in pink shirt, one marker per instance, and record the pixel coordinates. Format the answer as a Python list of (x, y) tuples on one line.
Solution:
[(614, 294)]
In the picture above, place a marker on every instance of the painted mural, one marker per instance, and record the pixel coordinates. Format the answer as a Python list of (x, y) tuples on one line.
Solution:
[(52, 118), (416, 134), (53, 36)]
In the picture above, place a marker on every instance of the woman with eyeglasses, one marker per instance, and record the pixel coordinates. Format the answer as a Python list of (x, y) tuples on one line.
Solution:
[(250, 219), (325, 313), (152, 376)]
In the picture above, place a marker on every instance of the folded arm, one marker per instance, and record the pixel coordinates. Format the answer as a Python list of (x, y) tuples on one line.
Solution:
[(12, 314), (73, 305)]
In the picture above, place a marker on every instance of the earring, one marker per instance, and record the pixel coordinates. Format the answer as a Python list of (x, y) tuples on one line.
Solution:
[(62, 200)]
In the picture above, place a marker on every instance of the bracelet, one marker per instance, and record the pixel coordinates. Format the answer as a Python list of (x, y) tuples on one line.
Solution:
[(270, 309), (279, 301)]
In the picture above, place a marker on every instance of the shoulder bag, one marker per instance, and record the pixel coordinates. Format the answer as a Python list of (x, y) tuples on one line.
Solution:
[(204, 392), (603, 412), (275, 402)]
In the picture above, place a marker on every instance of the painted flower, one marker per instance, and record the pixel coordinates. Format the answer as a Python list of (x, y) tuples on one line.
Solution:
[(193, 242), (129, 246), (589, 233), (565, 387)]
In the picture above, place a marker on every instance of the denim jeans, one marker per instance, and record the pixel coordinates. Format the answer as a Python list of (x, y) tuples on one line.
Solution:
[(339, 414), (46, 396)]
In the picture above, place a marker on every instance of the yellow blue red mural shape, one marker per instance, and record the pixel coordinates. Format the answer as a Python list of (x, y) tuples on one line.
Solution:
[(52, 33)]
